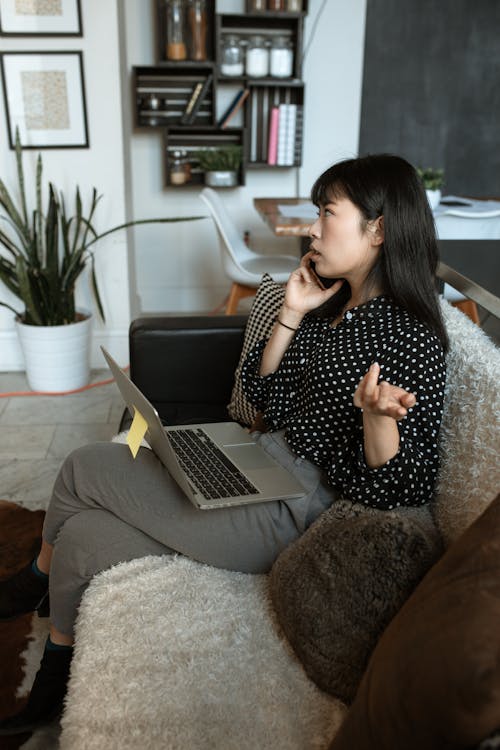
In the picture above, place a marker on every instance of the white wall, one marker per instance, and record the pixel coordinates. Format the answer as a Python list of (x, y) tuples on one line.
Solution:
[(177, 267), (101, 166), (168, 268)]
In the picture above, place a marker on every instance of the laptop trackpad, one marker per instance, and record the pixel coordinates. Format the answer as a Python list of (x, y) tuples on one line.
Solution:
[(249, 456)]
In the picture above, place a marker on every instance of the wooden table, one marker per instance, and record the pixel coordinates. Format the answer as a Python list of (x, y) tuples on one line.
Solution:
[(282, 226)]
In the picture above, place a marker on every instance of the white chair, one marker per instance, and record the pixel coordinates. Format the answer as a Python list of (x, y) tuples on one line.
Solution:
[(243, 266)]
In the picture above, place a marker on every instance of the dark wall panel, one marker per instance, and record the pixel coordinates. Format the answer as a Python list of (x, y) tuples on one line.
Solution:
[(431, 88)]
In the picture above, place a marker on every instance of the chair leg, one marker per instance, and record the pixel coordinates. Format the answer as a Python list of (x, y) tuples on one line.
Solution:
[(469, 308), (237, 293)]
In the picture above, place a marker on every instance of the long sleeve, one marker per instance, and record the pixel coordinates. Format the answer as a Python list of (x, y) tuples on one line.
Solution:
[(311, 396), (416, 363)]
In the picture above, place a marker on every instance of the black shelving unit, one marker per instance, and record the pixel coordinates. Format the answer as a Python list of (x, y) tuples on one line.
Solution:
[(162, 93)]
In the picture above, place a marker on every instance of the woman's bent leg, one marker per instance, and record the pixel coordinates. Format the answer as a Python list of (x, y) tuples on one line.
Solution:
[(89, 542), (141, 493)]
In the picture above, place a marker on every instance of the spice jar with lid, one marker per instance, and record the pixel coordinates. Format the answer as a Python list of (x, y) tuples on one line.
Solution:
[(232, 56), (176, 44), (179, 168), (257, 57), (281, 62)]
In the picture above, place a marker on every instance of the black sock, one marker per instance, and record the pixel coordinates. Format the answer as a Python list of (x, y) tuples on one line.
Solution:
[(51, 646), (36, 570)]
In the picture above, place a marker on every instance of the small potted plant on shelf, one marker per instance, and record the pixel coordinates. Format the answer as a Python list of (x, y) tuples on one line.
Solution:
[(44, 252), (220, 165), (433, 180)]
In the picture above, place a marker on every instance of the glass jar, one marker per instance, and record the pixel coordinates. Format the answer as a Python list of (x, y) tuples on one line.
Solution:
[(197, 20), (276, 4), (294, 6), (153, 102), (232, 56), (179, 168), (176, 44), (281, 57), (256, 6), (257, 57)]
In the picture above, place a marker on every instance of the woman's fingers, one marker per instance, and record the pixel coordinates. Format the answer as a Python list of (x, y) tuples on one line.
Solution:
[(371, 389), (382, 398)]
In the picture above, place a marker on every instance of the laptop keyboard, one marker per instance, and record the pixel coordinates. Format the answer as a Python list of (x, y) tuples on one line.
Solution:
[(209, 469)]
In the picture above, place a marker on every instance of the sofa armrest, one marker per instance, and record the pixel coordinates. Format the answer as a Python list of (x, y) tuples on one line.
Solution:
[(185, 365)]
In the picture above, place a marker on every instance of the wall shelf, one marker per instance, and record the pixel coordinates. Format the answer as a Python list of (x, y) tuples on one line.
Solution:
[(162, 94)]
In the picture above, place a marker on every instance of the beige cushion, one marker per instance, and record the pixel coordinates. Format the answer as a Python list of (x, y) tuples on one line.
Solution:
[(264, 310)]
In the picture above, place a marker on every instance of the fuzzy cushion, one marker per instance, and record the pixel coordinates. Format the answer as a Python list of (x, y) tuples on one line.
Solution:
[(265, 308), (433, 681), (174, 654), (338, 586), (470, 432)]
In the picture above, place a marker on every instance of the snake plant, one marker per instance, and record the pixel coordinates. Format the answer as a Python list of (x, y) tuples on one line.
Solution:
[(44, 253)]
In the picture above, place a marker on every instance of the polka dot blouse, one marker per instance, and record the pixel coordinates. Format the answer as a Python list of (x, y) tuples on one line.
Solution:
[(311, 396)]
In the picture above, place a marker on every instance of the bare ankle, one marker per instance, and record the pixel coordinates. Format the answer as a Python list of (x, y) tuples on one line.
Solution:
[(60, 639), (45, 557)]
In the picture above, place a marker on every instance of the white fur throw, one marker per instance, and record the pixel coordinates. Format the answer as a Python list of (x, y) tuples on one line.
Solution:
[(470, 432), (174, 655)]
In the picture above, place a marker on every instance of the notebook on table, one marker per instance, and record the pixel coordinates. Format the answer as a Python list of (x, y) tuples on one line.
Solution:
[(217, 464)]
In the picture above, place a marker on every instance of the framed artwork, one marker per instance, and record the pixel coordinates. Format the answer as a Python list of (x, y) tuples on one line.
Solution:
[(45, 98), (40, 18)]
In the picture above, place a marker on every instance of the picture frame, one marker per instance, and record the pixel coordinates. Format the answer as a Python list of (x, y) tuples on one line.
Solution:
[(44, 96), (40, 18)]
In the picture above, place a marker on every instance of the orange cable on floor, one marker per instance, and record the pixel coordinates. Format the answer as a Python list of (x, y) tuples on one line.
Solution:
[(60, 393)]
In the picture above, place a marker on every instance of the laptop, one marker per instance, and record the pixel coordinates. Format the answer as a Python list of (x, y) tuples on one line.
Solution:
[(216, 465)]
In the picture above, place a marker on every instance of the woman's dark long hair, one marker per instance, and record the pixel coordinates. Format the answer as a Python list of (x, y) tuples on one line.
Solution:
[(388, 186)]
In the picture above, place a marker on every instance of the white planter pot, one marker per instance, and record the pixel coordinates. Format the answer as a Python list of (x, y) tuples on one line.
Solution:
[(433, 196), (221, 178), (57, 358)]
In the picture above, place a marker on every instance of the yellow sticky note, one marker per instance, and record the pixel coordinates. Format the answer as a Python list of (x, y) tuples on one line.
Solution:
[(136, 433)]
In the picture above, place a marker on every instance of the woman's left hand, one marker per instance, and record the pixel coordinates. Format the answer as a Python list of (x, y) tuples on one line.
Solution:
[(382, 399)]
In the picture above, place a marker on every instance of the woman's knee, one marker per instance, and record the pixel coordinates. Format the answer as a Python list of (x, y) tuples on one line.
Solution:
[(95, 539)]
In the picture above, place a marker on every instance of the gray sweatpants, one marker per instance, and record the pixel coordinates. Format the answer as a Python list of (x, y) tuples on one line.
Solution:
[(108, 508)]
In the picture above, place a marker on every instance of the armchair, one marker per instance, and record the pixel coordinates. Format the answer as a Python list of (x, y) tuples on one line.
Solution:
[(172, 653)]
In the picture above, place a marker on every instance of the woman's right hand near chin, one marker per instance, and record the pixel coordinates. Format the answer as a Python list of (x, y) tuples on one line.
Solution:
[(304, 290)]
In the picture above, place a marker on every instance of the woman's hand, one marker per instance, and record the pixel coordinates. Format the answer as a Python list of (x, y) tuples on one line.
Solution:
[(304, 290), (382, 399), (383, 406)]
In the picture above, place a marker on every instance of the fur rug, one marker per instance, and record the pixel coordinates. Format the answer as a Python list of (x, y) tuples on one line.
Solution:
[(226, 680), (21, 640)]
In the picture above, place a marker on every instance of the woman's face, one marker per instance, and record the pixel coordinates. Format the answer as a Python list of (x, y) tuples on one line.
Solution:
[(344, 245)]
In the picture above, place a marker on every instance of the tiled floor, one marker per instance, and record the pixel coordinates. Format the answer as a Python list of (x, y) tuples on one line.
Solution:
[(37, 432)]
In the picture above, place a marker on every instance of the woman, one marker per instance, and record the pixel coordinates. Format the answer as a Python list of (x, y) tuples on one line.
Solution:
[(350, 384)]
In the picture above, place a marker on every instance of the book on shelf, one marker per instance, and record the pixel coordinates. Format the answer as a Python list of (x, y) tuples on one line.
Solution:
[(290, 134), (299, 126), (289, 145), (282, 135), (199, 92), (234, 107), (253, 129), (272, 149)]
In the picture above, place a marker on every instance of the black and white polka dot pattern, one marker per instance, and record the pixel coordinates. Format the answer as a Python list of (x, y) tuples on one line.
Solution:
[(311, 395)]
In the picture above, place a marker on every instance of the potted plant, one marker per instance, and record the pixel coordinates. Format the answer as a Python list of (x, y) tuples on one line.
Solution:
[(433, 180), (44, 254), (220, 165)]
